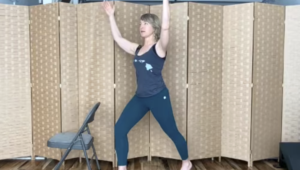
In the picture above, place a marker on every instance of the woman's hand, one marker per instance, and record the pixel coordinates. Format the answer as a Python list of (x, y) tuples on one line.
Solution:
[(109, 8), (126, 45)]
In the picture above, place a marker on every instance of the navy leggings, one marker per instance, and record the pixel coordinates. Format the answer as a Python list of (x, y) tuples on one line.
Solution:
[(160, 107)]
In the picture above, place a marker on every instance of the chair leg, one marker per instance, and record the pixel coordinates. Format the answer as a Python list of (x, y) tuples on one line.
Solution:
[(96, 158), (86, 156), (64, 157)]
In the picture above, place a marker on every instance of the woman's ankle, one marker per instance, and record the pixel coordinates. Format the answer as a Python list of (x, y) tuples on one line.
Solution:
[(186, 164), (122, 167), (186, 161)]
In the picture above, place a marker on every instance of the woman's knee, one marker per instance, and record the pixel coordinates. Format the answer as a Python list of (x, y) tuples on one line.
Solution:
[(172, 131), (120, 130)]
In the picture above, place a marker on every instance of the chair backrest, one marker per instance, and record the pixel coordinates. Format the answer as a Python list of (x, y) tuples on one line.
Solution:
[(90, 117)]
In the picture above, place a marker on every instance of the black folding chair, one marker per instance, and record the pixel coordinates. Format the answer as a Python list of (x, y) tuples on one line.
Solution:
[(76, 141)]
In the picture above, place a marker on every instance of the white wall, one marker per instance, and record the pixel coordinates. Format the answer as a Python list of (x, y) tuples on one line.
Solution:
[(283, 2), (21, 2)]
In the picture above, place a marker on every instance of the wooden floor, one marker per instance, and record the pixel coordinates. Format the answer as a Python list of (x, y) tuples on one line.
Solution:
[(140, 164)]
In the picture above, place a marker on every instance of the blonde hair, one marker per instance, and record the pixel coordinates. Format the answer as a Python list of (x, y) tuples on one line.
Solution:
[(155, 23)]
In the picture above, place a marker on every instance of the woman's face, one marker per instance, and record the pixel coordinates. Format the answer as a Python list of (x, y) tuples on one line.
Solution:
[(146, 29)]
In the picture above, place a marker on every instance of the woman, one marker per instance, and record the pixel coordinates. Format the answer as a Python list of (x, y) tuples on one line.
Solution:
[(152, 93)]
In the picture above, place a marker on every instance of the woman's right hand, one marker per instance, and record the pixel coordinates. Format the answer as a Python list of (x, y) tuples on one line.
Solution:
[(109, 8)]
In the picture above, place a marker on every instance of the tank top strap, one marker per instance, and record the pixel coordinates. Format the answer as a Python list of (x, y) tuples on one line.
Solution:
[(154, 50), (138, 49)]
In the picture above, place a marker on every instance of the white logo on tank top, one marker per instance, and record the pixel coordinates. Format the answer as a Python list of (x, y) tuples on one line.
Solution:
[(140, 61), (149, 67)]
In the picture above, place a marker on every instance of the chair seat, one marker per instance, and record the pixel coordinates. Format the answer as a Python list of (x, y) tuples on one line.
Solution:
[(63, 141)]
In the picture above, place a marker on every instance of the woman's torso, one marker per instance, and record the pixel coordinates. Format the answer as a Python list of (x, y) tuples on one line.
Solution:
[(148, 68)]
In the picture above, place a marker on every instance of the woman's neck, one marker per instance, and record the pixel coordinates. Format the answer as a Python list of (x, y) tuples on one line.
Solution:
[(149, 41)]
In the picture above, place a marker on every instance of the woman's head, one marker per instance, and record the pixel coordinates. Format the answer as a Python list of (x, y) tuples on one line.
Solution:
[(150, 25)]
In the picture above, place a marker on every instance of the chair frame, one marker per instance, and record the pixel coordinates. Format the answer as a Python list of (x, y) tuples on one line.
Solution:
[(78, 138)]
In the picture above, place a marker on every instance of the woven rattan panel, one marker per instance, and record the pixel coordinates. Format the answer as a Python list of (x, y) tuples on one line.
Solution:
[(69, 69), (128, 19), (15, 94), (46, 114), (175, 76), (69, 78), (267, 80), (96, 75), (291, 92), (205, 80), (237, 80)]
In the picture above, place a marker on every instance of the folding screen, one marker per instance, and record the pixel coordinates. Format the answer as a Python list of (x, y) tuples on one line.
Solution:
[(237, 80), (128, 20), (175, 76), (15, 93), (45, 72), (69, 69), (205, 80), (54, 65), (96, 75), (291, 92), (252, 81), (267, 80)]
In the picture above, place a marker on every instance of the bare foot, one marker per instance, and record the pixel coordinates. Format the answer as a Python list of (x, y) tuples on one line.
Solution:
[(122, 168), (186, 165)]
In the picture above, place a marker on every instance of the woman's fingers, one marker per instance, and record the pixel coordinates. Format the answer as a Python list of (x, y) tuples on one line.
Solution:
[(107, 5), (109, 8)]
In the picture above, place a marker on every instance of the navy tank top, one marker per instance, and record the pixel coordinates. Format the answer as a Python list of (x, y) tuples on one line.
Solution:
[(148, 68)]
